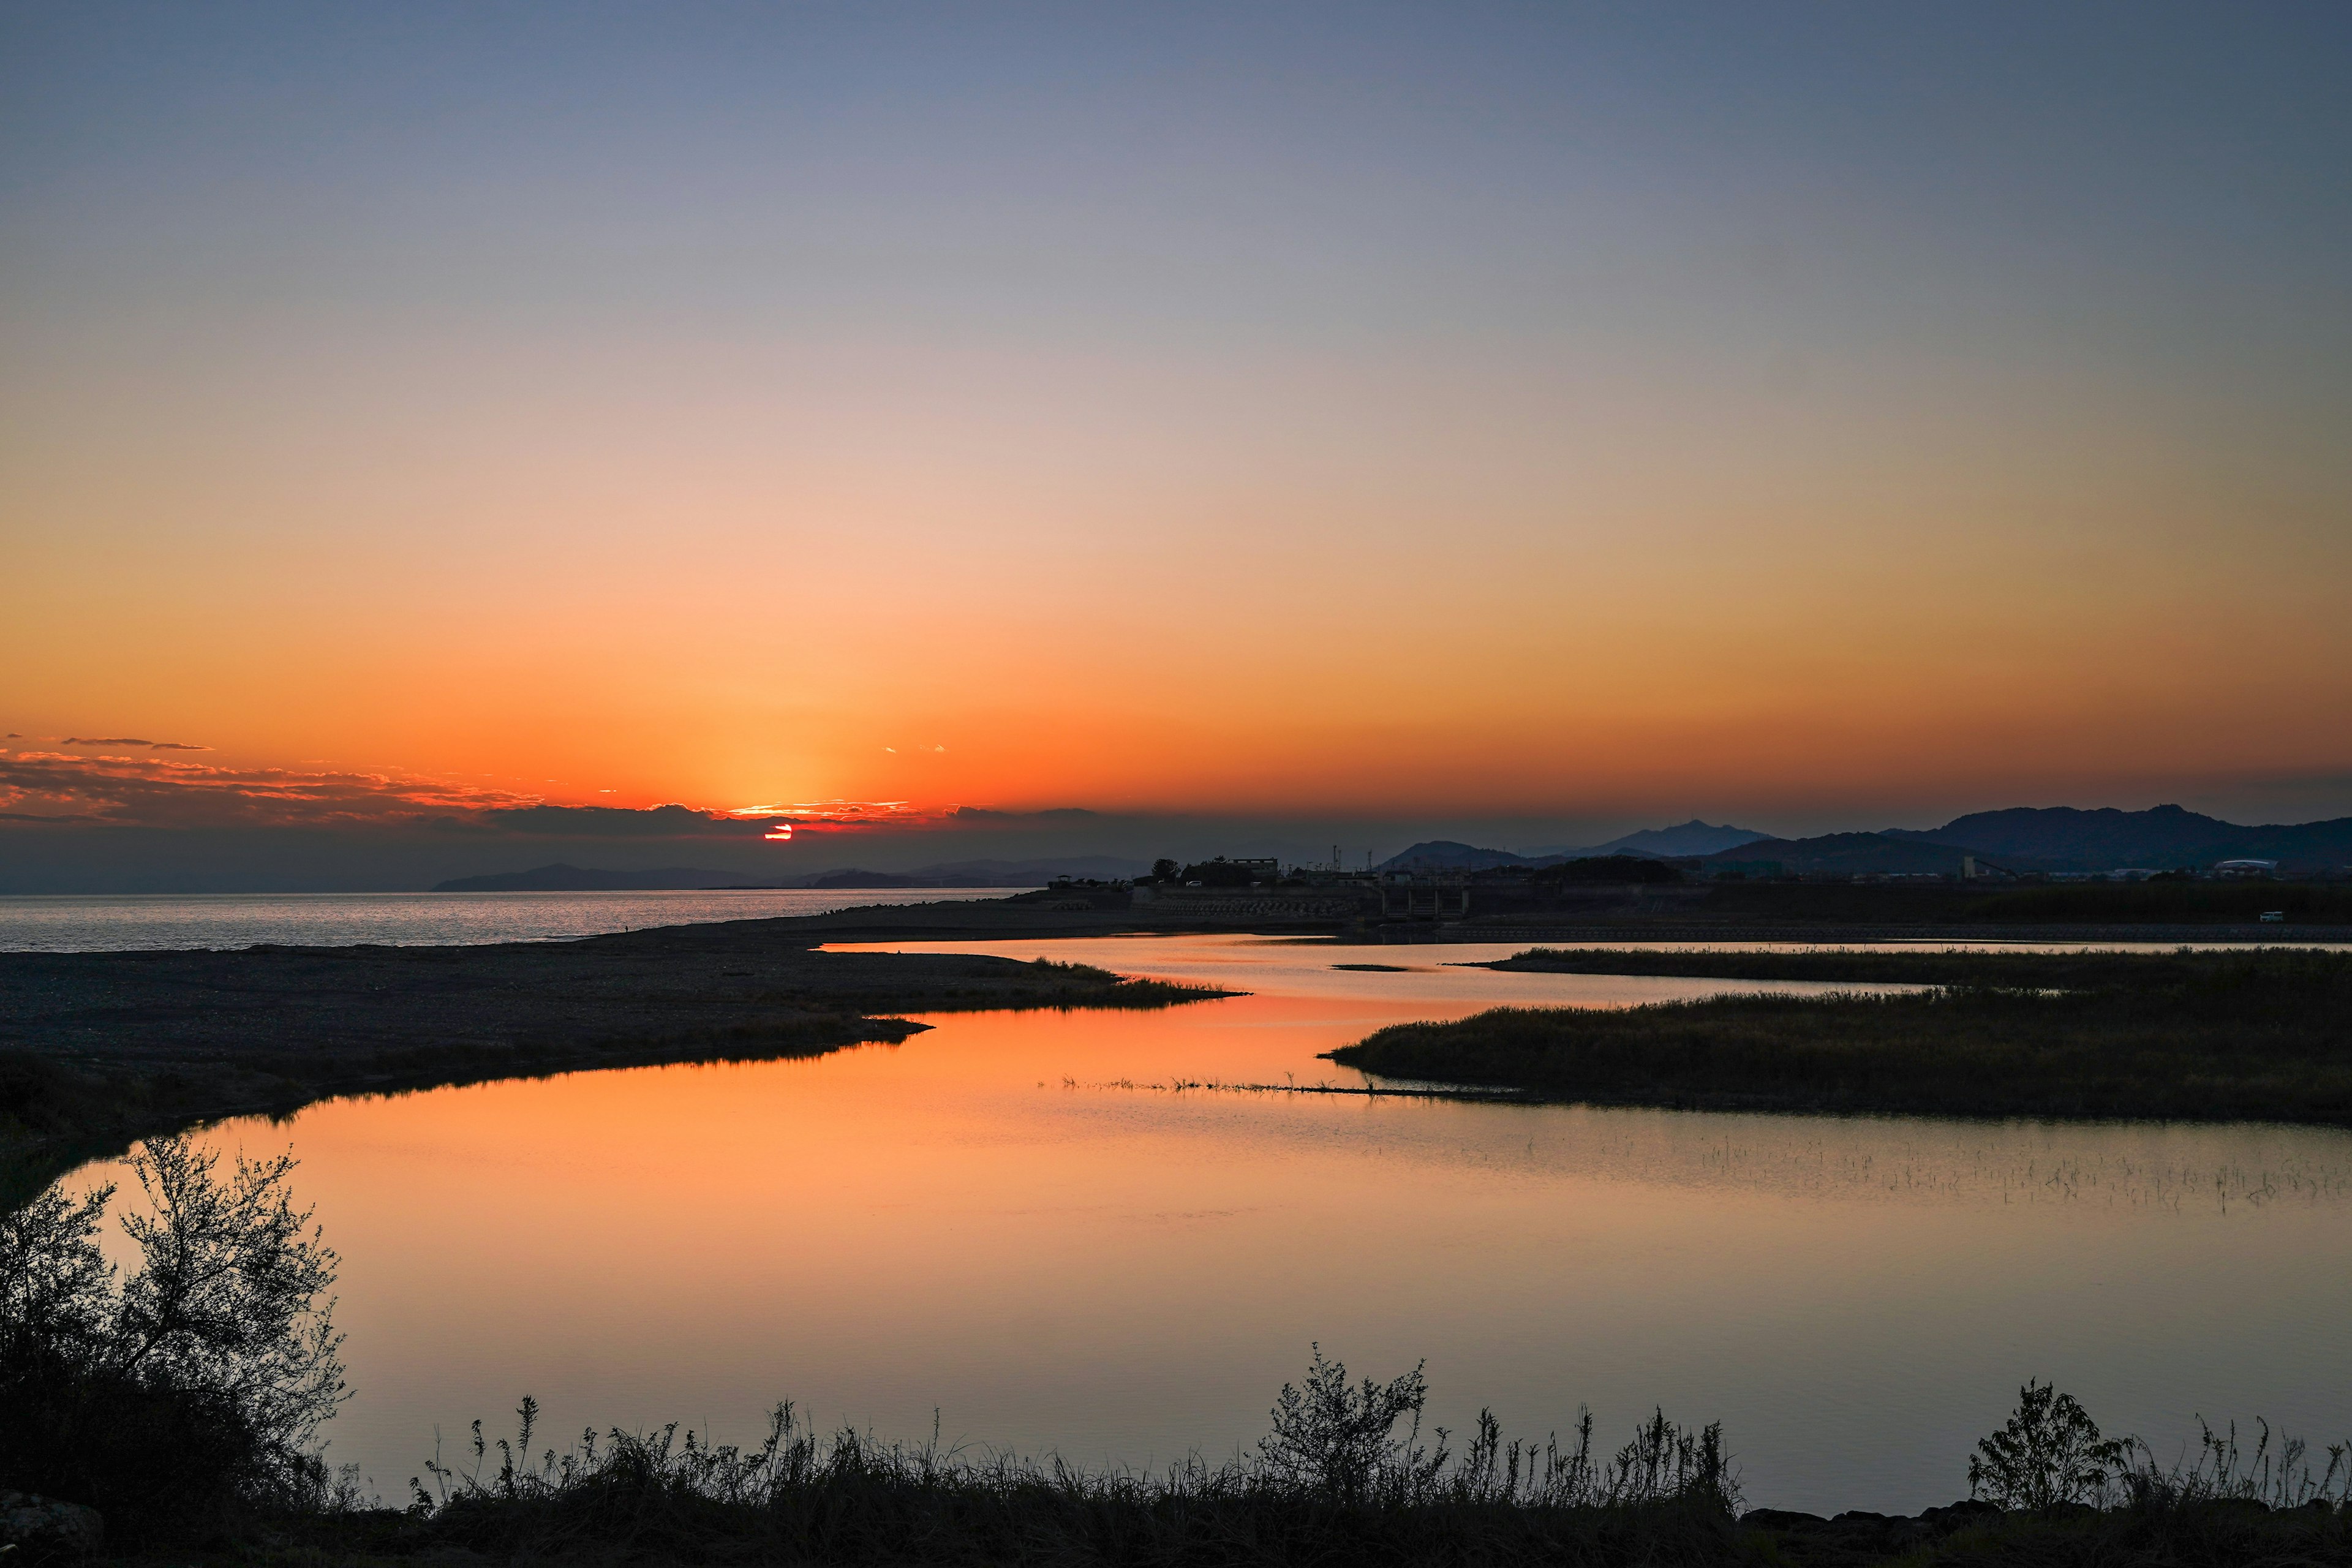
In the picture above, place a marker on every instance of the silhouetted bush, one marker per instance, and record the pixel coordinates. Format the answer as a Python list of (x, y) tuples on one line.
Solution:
[(2049, 1452), (189, 1393), (1344, 1477)]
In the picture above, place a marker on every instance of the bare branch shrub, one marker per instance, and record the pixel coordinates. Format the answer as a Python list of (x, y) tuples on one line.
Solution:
[(195, 1386), (2048, 1452)]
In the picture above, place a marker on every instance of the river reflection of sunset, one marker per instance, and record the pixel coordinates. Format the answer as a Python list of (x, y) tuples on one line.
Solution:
[(1002, 1218)]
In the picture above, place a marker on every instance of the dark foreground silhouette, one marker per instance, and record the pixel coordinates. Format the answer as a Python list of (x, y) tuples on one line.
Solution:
[(2263, 1033)]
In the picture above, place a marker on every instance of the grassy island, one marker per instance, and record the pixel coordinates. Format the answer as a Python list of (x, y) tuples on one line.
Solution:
[(98, 1049), (2260, 1034)]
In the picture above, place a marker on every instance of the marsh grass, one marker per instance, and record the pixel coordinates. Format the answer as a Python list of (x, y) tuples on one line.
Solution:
[(1347, 1474), (2221, 1469), (1070, 986), (1960, 968), (2243, 1035)]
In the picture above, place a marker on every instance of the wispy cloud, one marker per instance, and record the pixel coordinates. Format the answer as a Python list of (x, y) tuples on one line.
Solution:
[(621, 822), (776, 819), (128, 740), (840, 813), (163, 792)]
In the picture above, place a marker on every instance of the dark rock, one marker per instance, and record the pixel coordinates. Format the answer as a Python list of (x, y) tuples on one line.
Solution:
[(1878, 1533), (1960, 1515), (1780, 1519), (2238, 1505), (48, 1530)]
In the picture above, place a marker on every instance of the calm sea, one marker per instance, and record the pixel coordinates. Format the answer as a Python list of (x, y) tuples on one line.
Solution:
[(1018, 1221), (115, 923)]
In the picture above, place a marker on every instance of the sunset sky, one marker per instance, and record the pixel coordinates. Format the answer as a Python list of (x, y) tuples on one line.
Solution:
[(1807, 415)]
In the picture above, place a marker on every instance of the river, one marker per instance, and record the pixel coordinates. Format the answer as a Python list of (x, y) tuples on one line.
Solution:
[(1015, 1221), (114, 922)]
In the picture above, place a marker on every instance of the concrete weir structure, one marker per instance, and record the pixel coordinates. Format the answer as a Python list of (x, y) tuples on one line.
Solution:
[(1425, 896)]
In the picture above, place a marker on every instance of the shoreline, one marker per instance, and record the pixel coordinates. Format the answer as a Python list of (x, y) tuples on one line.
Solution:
[(100, 1050)]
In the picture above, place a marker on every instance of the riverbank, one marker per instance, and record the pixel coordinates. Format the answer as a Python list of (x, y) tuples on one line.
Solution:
[(1046, 1519), (1348, 1476), (2265, 1035), (100, 1049)]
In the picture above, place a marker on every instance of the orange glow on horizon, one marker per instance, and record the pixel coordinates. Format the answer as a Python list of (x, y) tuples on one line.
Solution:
[(1181, 478)]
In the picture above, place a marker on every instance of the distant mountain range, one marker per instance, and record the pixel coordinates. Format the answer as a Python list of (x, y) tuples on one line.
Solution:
[(2063, 838), (1686, 840), (564, 878), (1845, 854), (1447, 855), (2022, 839), (1692, 837)]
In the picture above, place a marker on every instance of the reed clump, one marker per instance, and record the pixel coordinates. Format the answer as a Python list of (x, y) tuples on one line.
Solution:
[(1344, 1475), (1347, 1474)]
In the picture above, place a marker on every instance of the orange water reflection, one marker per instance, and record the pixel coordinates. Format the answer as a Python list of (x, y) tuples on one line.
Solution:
[(973, 1221)]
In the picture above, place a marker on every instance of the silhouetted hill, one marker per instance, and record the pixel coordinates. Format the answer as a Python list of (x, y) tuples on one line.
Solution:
[(2064, 837), (1445, 853), (1687, 839), (2059, 838), (562, 879), (1846, 854)]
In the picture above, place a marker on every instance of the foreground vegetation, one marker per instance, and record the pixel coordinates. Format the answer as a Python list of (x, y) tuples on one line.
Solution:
[(1989, 969), (1345, 1476), (183, 1399), (2262, 1034), (182, 1402)]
